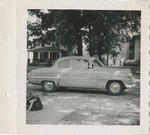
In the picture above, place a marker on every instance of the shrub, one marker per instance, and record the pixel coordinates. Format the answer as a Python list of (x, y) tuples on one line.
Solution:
[(131, 63), (35, 63)]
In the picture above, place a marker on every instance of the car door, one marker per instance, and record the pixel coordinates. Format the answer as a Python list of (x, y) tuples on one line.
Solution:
[(64, 73), (82, 74)]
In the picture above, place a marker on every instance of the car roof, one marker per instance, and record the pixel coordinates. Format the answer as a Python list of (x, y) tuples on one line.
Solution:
[(74, 57)]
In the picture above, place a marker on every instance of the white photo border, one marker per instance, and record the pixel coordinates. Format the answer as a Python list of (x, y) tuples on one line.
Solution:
[(22, 127)]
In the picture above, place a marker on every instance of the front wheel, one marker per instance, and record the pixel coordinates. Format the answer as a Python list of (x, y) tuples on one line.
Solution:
[(115, 88), (49, 86)]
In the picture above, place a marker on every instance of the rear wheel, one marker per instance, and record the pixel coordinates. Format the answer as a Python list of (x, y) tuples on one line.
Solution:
[(49, 86), (115, 88)]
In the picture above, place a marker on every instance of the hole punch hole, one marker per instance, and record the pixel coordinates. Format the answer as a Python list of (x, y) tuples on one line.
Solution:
[(8, 38), (7, 95)]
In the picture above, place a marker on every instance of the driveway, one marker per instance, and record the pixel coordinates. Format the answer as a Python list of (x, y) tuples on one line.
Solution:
[(81, 107)]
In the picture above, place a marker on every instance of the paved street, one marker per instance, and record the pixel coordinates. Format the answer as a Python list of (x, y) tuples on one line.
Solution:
[(86, 107)]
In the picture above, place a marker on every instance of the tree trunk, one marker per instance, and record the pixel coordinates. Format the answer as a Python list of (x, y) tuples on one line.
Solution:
[(79, 42), (90, 42), (99, 51), (107, 58), (80, 52)]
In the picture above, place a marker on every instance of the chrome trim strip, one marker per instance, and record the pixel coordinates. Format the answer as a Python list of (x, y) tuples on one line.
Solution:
[(38, 77)]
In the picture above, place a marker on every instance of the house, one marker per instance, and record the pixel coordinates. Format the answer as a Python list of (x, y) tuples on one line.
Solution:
[(43, 55), (131, 50), (48, 54), (128, 51)]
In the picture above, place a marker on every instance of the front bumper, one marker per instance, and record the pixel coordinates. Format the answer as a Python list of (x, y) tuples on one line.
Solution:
[(130, 86), (131, 83)]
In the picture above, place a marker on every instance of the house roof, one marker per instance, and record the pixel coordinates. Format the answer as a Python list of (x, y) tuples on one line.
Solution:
[(44, 49)]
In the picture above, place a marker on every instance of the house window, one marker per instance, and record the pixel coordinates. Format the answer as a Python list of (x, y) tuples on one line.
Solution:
[(131, 47), (130, 56)]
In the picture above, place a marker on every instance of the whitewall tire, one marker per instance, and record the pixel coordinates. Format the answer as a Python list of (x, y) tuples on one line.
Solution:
[(49, 86), (115, 88)]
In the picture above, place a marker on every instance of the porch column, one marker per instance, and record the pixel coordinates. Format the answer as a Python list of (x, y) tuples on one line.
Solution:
[(38, 57), (28, 58), (49, 58), (31, 57), (49, 55), (60, 54), (52, 57)]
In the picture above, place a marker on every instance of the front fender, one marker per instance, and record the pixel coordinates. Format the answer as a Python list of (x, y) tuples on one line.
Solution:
[(104, 76)]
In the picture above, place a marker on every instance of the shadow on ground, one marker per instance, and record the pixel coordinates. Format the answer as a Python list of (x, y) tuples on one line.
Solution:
[(80, 107)]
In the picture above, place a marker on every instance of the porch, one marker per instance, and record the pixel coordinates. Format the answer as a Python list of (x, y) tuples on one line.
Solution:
[(44, 55)]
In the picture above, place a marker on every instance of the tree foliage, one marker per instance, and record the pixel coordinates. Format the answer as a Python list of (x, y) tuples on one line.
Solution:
[(100, 30)]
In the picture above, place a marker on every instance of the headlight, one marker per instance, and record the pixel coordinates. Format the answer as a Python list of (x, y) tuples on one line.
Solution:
[(131, 79), (130, 76)]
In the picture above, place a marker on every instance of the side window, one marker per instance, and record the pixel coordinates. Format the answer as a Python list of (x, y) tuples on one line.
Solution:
[(77, 63), (64, 64), (81, 64), (90, 65)]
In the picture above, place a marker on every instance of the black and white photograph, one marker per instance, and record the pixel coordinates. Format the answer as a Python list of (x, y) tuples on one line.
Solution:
[(83, 67), (75, 67)]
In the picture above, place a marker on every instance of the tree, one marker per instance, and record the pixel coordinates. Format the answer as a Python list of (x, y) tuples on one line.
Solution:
[(100, 30), (112, 27)]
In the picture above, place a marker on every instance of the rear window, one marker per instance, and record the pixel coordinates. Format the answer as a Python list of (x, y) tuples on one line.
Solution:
[(64, 64)]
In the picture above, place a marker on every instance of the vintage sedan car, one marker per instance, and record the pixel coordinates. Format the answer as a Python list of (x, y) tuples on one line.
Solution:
[(82, 72)]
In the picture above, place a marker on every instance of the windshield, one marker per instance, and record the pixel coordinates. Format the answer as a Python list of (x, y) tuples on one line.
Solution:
[(97, 63)]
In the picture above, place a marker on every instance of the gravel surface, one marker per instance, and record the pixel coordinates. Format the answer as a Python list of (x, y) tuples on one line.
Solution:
[(78, 107)]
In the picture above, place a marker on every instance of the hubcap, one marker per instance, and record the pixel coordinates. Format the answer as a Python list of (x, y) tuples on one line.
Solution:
[(115, 87), (49, 86)]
